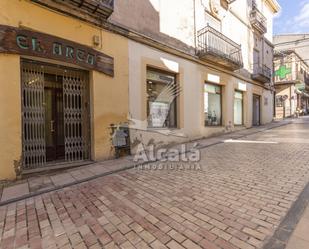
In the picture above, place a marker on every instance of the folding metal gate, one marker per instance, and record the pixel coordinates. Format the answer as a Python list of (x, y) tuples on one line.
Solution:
[(75, 114)]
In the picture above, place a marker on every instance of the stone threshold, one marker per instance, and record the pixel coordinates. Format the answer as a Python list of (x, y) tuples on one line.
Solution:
[(45, 183)]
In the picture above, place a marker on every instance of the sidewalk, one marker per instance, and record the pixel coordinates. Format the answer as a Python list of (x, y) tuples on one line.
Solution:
[(53, 181), (293, 231), (300, 236)]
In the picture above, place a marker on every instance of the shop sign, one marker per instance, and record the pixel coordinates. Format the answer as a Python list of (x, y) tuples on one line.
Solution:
[(283, 71), (27, 42)]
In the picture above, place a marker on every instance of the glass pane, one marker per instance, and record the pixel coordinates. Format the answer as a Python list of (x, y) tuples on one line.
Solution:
[(161, 108), (212, 88), (238, 95), (212, 105), (157, 76), (238, 108)]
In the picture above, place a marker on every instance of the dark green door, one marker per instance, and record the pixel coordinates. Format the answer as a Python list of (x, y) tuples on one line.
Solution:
[(54, 125)]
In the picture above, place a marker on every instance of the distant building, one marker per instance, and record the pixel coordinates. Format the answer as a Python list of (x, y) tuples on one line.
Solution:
[(297, 42), (291, 62)]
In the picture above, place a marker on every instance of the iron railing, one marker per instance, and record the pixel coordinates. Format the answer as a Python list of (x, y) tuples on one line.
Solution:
[(261, 71), (258, 20), (97, 3), (96, 8), (212, 42)]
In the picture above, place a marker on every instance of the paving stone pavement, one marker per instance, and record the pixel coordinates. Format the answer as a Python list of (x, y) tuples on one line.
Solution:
[(236, 199), (45, 182)]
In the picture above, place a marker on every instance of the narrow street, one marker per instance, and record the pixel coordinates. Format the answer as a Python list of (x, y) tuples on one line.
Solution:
[(237, 199)]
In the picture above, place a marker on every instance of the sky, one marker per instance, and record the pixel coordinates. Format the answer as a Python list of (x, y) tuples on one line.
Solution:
[(293, 17)]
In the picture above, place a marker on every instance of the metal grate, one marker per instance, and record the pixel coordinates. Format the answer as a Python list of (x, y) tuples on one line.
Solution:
[(33, 116), (76, 116)]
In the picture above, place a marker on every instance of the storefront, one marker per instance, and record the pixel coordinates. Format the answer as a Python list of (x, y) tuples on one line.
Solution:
[(60, 92), (55, 114), (161, 107), (213, 104)]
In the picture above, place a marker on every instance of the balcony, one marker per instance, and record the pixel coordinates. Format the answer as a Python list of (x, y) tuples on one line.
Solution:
[(258, 21), (261, 73), (215, 47), (99, 9)]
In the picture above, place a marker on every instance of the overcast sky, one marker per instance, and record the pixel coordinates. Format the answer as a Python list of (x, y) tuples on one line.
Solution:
[(293, 18)]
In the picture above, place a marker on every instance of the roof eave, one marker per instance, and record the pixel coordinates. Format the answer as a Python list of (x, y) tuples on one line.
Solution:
[(274, 5)]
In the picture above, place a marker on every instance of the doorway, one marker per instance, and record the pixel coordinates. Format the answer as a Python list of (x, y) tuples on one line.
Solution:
[(256, 110), (55, 115), (54, 123)]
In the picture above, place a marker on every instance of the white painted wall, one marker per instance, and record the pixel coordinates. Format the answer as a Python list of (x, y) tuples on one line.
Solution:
[(191, 77)]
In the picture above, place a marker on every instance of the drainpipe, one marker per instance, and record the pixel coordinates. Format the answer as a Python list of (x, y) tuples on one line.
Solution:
[(194, 26)]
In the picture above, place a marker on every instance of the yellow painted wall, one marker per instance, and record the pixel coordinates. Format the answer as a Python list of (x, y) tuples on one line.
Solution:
[(109, 95), (10, 115)]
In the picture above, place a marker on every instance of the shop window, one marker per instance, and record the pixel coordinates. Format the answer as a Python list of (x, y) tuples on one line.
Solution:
[(212, 105), (238, 108), (162, 91)]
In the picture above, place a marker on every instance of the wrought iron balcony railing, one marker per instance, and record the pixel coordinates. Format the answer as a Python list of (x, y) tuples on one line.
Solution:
[(258, 20), (216, 47), (261, 73), (97, 8)]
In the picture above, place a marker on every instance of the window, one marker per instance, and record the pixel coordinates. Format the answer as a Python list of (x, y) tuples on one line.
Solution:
[(238, 108), (162, 94), (212, 105)]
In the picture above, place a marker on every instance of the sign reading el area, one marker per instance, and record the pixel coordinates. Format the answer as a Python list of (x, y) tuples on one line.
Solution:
[(26, 42)]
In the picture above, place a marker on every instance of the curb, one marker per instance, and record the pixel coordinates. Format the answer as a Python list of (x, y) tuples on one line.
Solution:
[(284, 231)]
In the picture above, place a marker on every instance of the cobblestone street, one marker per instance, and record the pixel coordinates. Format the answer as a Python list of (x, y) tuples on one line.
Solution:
[(236, 200)]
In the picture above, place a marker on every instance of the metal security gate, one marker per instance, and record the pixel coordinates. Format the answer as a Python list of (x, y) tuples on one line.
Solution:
[(76, 115), (40, 130), (33, 116)]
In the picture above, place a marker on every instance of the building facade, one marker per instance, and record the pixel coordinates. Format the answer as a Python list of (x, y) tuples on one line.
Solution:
[(64, 81), (174, 70), (219, 53), (291, 84), (292, 55)]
